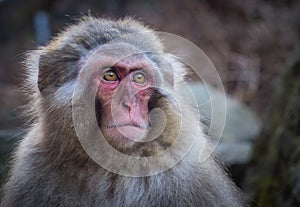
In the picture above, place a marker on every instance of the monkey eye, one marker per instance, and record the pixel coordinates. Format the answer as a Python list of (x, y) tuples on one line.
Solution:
[(110, 75), (139, 78)]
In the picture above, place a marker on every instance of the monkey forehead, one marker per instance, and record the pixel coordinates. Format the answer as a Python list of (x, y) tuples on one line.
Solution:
[(119, 54), (121, 49)]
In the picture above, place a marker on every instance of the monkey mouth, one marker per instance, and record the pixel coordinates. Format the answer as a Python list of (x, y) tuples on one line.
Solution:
[(129, 131), (139, 126)]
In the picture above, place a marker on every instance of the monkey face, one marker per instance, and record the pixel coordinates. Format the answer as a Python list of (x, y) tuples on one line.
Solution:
[(125, 85), (124, 91)]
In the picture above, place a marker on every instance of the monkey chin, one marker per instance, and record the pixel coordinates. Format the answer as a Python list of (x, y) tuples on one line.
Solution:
[(124, 136)]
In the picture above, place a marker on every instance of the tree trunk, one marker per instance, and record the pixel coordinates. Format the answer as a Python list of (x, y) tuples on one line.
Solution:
[(274, 176)]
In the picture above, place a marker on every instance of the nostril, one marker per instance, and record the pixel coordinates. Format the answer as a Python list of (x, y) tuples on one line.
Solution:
[(126, 103)]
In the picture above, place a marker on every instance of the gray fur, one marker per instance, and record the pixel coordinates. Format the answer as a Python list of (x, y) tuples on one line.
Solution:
[(50, 167)]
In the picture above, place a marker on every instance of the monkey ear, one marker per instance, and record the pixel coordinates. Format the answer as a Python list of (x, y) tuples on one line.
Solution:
[(46, 76), (52, 74), (55, 70), (175, 71)]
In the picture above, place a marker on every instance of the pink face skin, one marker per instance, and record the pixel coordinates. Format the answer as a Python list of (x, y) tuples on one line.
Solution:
[(125, 115)]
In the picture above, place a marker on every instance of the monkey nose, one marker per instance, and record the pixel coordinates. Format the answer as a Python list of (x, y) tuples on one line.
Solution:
[(130, 105)]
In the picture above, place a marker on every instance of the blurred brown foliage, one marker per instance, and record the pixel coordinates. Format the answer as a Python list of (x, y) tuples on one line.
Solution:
[(249, 42)]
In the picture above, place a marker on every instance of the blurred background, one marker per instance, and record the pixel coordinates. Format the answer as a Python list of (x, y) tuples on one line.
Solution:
[(253, 44)]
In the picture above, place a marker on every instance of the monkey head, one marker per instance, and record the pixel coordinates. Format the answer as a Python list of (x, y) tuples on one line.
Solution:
[(128, 70)]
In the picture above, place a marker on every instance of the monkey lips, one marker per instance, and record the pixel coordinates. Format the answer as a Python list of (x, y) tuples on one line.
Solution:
[(134, 132)]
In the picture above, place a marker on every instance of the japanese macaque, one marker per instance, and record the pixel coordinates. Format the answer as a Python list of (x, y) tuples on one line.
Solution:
[(102, 88)]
